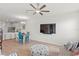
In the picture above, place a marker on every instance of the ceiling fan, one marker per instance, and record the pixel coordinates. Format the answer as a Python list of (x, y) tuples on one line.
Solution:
[(38, 9)]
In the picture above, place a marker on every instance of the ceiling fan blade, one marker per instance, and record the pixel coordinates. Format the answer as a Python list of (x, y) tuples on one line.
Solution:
[(41, 13), (43, 7), (45, 11), (32, 6), (37, 5), (34, 13)]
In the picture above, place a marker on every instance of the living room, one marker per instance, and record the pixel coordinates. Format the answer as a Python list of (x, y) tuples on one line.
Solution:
[(16, 17)]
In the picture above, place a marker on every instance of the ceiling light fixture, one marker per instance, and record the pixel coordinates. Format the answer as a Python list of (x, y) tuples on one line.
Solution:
[(37, 11), (22, 22), (22, 17)]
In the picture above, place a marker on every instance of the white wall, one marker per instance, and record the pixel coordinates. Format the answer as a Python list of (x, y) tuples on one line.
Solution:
[(66, 29)]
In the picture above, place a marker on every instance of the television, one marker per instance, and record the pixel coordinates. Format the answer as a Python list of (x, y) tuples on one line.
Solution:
[(48, 28)]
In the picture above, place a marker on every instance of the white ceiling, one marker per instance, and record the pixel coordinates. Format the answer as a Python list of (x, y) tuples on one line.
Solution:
[(17, 11)]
